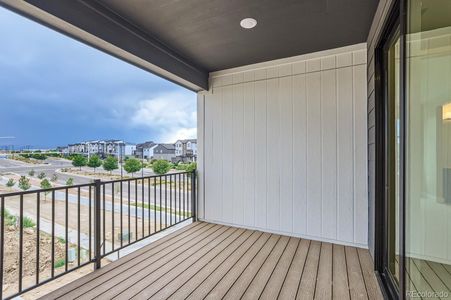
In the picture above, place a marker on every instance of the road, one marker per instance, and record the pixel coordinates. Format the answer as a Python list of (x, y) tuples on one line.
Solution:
[(53, 165), (49, 165)]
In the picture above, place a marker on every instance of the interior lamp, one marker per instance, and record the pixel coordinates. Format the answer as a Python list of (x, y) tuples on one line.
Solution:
[(446, 112)]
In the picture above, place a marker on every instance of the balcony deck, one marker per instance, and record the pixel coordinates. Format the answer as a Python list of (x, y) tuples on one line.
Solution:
[(205, 260)]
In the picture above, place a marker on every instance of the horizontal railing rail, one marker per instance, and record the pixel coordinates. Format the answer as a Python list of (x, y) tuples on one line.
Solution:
[(47, 233)]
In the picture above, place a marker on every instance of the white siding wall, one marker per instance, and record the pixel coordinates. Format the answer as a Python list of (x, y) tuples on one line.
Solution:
[(284, 146)]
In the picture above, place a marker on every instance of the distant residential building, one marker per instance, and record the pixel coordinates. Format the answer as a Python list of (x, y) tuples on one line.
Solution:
[(103, 148), (78, 148), (62, 150), (186, 150), (145, 150), (164, 151)]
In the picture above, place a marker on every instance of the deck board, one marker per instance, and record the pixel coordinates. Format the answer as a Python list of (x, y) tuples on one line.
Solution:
[(308, 280), (280, 272), (241, 283), (340, 284), (290, 286), (126, 284), (357, 286), (258, 284), (207, 264), (371, 284), (208, 261)]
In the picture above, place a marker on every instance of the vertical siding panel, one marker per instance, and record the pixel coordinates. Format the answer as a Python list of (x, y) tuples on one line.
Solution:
[(360, 156), (345, 213), (288, 154), (200, 155), (314, 208), (249, 154), (285, 100), (238, 154), (329, 154), (227, 154), (299, 155), (273, 155), (209, 175), (217, 151), (260, 153)]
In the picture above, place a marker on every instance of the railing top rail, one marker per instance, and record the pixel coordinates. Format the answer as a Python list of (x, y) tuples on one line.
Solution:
[(58, 188), (145, 177), (35, 191)]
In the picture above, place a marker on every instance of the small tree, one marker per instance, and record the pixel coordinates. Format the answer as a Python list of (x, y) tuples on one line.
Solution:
[(191, 167), (24, 183), (41, 175), (10, 183), (110, 164), (132, 165), (54, 177), (45, 184), (161, 167), (79, 161), (94, 162), (70, 181), (31, 173)]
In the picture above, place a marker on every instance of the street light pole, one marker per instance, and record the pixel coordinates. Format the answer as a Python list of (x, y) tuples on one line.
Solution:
[(121, 153)]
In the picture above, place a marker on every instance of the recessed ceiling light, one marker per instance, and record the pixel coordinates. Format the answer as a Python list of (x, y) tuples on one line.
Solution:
[(248, 23)]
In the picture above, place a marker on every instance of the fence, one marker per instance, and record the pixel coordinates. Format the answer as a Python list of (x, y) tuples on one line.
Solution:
[(48, 233)]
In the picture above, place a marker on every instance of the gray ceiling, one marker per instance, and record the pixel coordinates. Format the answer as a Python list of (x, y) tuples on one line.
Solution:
[(207, 32), (184, 40)]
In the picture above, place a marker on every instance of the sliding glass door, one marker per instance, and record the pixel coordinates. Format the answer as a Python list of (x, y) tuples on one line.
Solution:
[(391, 68), (413, 150), (428, 149)]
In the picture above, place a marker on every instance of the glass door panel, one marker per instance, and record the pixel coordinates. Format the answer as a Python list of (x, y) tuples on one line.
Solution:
[(428, 152), (392, 154)]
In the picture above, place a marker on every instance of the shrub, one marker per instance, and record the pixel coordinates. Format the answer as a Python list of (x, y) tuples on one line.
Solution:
[(70, 181), (60, 263), (31, 173), (24, 183), (54, 178), (41, 175), (10, 220), (28, 222), (79, 161), (94, 162), (161, 166), (45, 184), (10, 183), (191, 167), (110, 164), (39, 156), (132, 165)]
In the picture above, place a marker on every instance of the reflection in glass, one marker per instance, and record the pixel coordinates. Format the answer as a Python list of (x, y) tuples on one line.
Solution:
[(428, 161)]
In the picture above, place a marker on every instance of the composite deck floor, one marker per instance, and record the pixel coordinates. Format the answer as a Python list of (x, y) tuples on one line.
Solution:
[(208, 261)]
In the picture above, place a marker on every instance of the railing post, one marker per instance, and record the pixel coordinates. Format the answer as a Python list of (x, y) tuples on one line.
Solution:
[(193, 195), (97, 237)]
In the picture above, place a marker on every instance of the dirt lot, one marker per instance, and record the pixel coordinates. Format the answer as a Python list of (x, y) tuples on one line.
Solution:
[(11, 258)]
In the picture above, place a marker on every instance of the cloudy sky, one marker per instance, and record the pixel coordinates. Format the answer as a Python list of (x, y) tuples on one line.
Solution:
[(55, 91)]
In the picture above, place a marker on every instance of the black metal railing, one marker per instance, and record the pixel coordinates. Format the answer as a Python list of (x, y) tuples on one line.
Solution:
[(47, 233)]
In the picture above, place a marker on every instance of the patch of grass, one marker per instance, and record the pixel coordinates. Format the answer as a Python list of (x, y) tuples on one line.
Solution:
[(10, 220), (169, 184), (61, 240), (28, 222), (59, 263), (154, 207)]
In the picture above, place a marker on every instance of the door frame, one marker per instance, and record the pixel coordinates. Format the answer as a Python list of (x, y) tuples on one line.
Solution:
[(396, 19)]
